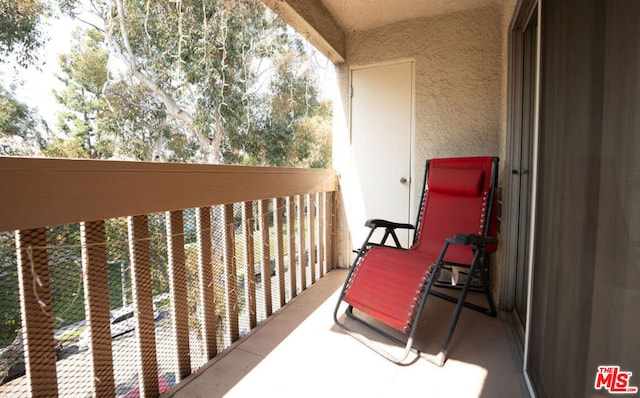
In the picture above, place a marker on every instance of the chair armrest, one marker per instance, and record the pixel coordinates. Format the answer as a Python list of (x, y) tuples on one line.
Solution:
[(389, 231), (377, 223), (471, 239)]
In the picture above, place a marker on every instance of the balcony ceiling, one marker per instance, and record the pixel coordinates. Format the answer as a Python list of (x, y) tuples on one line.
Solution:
[(325, 23), (368, 14)]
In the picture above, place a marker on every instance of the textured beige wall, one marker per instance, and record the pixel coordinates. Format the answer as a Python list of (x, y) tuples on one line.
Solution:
[(458, 80), (460, 85)]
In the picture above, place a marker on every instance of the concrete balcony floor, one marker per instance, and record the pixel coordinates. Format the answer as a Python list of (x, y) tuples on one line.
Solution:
[(300, 352)]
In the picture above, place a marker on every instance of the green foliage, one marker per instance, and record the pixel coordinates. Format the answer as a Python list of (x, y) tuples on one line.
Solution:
[(295, 130), (20, 127), (67, 289), (199, 54), (66, 273), (20, 30), (212, 59), (9, 299), (187, 81), (193, 294), (159, 253), (244, 80), (118, 264), (84, 73), (64, 148), (140, 128), (312, 143)]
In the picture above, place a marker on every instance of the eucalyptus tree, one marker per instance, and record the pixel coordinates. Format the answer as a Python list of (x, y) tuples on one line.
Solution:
[(21, 32), (140, 128), (204, 64), (202, 60), (293, 128), (21, 130)]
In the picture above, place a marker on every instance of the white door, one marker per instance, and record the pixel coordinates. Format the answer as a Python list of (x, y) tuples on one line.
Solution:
[(381, 122)]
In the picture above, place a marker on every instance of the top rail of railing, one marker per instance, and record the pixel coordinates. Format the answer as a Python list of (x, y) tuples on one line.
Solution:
[(40, 192)]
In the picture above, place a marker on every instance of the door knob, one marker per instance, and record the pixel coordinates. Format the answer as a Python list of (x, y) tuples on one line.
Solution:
[(403, 180)]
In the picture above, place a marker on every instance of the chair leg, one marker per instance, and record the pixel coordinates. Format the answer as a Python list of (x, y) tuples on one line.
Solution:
[(484, 276), (440, 359)]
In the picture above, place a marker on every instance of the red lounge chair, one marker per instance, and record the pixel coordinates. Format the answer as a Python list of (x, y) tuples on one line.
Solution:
[(456, 227)]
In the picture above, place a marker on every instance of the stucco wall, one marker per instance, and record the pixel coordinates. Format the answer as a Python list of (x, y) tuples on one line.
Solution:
[(458, 80), (459, 66)]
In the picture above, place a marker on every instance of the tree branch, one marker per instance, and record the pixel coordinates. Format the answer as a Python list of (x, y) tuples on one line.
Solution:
[(172, 108)]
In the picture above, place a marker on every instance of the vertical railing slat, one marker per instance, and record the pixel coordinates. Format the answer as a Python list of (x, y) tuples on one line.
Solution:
[(230, 270), (312, 237), (139, 254), (301, 244), (278, 205), (178, 290), (266, 257), (291, 230), (329, 233), (321, 236), (37, 316), (207, 288), (249, 254), (96, 294)]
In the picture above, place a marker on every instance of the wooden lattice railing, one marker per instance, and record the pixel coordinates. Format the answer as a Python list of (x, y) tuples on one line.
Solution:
[(241, 240)]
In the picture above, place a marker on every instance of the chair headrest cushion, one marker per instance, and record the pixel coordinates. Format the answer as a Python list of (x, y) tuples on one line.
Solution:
[(465, 182)]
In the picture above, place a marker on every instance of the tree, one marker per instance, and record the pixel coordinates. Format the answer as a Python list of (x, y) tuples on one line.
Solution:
[(189, 84), (141, 129), (109, 114), (20, 33), (312, 143), (20, 128), (293, 128), (84, 73), (166, 46), (202, 61)]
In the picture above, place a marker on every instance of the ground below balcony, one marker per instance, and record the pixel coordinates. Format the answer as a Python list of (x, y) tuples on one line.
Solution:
[(300, 352)]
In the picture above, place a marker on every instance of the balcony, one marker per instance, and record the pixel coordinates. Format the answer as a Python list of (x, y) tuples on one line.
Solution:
[(207, 258)]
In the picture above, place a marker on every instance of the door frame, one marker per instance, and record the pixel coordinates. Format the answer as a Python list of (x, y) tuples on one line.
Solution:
[(522, 16)]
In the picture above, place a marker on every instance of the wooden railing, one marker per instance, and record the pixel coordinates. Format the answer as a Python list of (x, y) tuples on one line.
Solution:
[(278, 220)]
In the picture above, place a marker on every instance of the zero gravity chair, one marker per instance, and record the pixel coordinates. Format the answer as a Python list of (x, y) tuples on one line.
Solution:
[(456, 229)]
